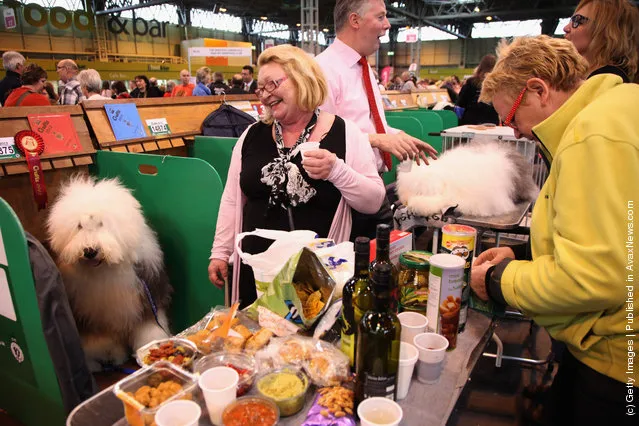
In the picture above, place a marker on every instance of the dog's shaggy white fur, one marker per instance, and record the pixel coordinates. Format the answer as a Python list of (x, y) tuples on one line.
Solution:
[(105, 251), (481, 179)]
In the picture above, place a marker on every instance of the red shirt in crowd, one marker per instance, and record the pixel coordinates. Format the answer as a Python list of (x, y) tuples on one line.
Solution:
[(32, 99)]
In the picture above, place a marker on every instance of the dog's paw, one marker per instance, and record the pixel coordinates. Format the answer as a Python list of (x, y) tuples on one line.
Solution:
[(93, 365)]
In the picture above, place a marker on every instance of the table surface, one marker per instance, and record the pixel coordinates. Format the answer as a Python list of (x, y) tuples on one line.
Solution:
[(425, 404)]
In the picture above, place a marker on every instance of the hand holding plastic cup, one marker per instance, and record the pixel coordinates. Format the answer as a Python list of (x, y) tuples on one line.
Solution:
[(378, 411), (218, 385), (408, 355), (178, 413), (307, 146), (432, 352), (413, 323)]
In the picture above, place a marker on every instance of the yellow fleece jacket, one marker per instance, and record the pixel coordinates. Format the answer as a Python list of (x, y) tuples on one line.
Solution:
[(581, 283)]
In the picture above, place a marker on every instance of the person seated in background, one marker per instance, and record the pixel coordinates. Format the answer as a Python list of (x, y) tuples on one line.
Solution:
[(106, 90), (185, 87), (218, 87), (606, 33), (408, 83), (202, 79), (91, 84), (153, 82), (237, 86), (475, 111), (575, 284), (30, 93), (119, 90), (453, 87), (170, 85), (143, 89), (271, 186)]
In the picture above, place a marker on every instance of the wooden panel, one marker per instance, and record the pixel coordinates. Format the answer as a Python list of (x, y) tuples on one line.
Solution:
[(396, 101), (62, 163), (177, 142), (150, 146), (164, 144), (82, 161), (136, 147)]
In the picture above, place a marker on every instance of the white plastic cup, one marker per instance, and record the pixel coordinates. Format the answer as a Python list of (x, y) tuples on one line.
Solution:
[(413, 323), (378, 411), (178, 413), (432, 352), (219, 385), (408, 355), (307, 146)]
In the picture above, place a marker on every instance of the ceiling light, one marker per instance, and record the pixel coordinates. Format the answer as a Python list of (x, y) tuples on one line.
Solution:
[(476, 9), (222, 9), (489, 18), (325, 30), (298, 25), (391, 53), (263, 18)]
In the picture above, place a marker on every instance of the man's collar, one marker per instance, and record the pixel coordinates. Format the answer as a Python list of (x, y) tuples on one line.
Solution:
[(349, 54)]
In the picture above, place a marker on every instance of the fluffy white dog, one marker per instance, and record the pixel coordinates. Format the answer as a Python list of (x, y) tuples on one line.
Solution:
[(480, 179), (112, 268)]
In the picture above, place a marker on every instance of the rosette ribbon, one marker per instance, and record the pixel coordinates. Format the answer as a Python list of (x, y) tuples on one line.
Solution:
[(31, 145)]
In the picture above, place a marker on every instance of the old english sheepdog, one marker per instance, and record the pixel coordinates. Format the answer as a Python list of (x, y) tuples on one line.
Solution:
[(479, 179), (112, 267)]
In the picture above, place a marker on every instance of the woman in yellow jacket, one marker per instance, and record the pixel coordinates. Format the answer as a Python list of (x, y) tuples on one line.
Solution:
[(580, 283)]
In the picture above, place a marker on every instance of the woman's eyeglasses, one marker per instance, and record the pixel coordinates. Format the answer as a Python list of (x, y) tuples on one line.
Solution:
[(270, 86), (578, 19), (511, 115)]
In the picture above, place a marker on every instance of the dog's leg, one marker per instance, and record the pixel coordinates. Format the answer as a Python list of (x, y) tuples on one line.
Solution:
[(149, 330), (427, 205), (101, 347)]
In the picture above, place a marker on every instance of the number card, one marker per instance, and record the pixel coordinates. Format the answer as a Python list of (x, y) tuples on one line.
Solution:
[(8, 149), (158, 126)]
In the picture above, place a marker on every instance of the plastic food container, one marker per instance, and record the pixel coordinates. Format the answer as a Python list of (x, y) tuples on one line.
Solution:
[(161, 372), (233, 415), (183, 347), (289, 405), (244, 365)]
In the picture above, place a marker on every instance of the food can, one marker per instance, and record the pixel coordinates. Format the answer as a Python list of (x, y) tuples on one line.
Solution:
[(445, 283), (413, 281), (461, 240)]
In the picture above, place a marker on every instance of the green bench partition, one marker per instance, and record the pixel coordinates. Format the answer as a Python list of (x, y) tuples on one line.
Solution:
[(431, 123), (29, 389), (216, 151), (449, 118), (411, 126), (180, 198)]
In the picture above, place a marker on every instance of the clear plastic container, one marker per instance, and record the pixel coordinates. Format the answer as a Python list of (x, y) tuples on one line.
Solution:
[(257, 417), (288, 406), (137, 414), (187, 348), (245, 366)]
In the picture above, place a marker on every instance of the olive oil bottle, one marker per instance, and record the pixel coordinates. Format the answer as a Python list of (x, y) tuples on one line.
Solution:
[(356, 293), (378, 342), (382, 257)]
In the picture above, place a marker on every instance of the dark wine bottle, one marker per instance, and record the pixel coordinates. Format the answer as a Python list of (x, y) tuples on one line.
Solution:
[(382, 257), (378, 342), (351, 311)]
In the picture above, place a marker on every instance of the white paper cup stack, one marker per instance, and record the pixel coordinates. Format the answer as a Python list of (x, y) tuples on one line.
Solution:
[(219, 385), (408, 355)]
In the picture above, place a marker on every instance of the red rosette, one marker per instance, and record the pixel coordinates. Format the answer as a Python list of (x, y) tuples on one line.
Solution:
[(31, 145)]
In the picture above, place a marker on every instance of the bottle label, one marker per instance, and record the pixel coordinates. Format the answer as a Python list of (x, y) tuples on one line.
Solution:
[(413, 299), (348, 340), (383, 386)]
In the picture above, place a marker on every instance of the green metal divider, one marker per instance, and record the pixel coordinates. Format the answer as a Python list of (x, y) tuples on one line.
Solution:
[(216, 151), (29, 392), (180, 198), (411, 126)]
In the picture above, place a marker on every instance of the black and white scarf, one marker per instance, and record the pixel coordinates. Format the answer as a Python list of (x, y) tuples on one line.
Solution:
[(288, 187)]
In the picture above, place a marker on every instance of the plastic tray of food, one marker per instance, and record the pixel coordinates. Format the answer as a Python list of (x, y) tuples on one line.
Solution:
[(286, 387), (145, 391), (180, 352)]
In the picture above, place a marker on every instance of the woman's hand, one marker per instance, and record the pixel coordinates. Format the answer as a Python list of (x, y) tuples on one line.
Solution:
[(319, 163), (494, 256), (218, 272)]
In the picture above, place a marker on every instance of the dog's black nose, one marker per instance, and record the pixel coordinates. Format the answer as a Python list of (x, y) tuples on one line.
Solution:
[(90, 253)]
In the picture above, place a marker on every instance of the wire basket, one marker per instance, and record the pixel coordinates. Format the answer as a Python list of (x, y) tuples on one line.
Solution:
[(461, 135)]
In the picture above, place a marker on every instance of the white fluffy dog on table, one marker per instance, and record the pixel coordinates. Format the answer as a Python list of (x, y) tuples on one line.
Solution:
[(112, 267)]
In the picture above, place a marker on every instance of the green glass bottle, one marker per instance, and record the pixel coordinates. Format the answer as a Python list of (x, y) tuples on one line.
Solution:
[(378, 342), (382, 257), (351, 311)]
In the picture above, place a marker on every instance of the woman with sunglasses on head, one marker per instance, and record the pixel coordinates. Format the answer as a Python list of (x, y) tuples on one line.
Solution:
[(271, 186), (577, 285), (606, 33)]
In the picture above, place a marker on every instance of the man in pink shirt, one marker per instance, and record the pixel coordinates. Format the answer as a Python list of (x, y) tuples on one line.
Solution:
[(359, 24)]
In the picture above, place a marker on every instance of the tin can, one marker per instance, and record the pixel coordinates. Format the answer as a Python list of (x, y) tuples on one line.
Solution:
[(445, 283), (413, 281), (461, 240)]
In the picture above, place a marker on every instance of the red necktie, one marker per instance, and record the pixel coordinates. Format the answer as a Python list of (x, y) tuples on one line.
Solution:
[(379, 126)]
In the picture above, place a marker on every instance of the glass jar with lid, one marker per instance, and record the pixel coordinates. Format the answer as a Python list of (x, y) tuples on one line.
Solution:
[(413, 281)]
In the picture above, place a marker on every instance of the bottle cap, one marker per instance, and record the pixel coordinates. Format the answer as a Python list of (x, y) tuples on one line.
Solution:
[(415, 259), (383, 232), (362, 245)]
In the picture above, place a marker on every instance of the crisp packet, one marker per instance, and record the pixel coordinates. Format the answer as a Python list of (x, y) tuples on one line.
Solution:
[(316, 417)]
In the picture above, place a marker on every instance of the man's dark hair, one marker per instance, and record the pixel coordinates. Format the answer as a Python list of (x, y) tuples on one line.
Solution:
[(249, 68)]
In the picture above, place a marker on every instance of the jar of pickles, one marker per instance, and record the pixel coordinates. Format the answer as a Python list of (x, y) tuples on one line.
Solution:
[(413, 281)]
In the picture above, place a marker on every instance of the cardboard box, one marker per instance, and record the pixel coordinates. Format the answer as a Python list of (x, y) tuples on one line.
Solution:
[(400, 242)]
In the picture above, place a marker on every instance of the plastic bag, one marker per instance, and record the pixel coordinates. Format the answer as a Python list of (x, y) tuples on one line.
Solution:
[(339, 261), (319, 415)]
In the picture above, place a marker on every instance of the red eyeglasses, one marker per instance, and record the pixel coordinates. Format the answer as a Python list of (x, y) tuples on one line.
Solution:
[(511, 115)]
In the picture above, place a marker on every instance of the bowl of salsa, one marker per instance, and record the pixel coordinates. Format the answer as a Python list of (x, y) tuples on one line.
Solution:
[(251, 410)]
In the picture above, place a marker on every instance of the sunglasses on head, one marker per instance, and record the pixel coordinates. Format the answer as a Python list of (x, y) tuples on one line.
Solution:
[(578, 19)]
